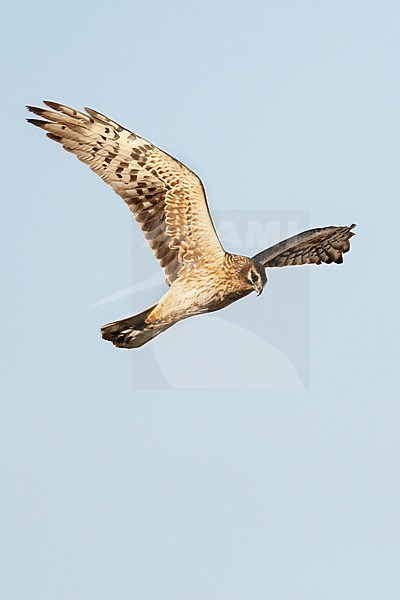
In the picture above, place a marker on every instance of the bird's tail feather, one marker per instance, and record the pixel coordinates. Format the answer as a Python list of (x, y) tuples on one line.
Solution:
[(132, 332)]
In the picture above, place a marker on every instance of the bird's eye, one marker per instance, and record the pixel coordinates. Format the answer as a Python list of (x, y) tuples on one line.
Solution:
[(253, 276)]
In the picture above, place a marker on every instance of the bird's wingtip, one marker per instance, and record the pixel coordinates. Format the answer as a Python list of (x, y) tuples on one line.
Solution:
[(36, 122), (51, 104)]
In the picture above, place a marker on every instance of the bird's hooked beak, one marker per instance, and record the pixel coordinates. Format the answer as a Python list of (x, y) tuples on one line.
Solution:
[(259, 288)]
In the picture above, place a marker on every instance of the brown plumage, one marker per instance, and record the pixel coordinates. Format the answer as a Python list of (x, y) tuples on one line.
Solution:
[(168, 201)]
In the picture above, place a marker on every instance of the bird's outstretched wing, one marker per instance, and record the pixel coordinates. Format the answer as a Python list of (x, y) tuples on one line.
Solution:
[(315, 246), (166, 198)]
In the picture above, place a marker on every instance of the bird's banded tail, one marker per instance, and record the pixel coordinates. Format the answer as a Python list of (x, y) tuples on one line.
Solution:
[(132, 332)]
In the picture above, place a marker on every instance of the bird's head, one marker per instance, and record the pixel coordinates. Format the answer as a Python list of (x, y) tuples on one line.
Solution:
[(255, 276)]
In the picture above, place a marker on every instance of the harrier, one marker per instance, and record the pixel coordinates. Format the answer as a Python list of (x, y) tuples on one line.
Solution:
[(168, 201)]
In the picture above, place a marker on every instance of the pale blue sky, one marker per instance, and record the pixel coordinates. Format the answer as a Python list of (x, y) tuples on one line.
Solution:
[(110, 491)]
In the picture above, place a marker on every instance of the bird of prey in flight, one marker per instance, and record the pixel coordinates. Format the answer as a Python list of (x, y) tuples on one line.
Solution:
[(168, 201)]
